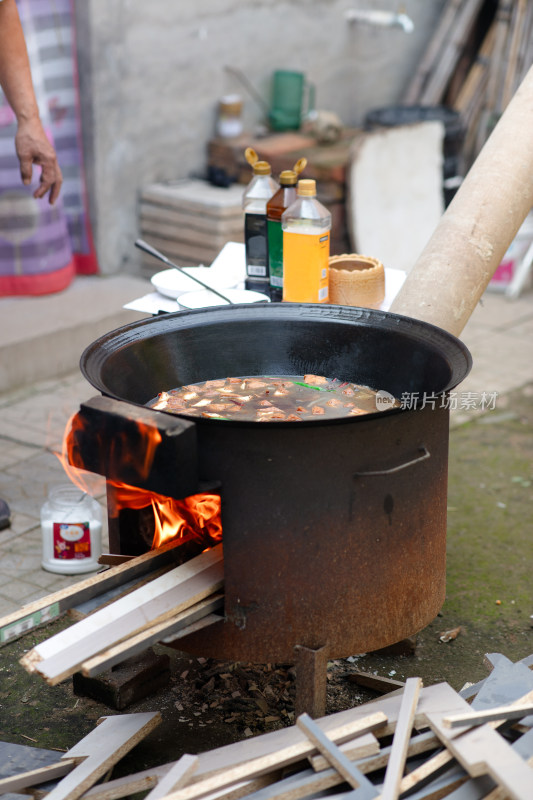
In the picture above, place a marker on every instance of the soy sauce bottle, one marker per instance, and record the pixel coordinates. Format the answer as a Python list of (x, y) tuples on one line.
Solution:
[(255, 198)]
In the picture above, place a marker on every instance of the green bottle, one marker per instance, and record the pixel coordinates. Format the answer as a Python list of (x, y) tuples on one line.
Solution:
[(283, 198)]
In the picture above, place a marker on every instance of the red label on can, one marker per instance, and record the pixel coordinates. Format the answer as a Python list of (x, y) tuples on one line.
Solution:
[(72, 540)]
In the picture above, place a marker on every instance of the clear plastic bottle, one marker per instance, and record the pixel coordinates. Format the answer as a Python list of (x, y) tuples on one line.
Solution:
[(71, 527), (254, 201), (306, 226), (284, 197)]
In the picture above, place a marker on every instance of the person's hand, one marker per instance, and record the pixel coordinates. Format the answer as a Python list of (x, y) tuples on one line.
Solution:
[(33, 147)]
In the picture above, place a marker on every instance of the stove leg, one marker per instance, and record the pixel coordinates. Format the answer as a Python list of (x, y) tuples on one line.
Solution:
[(311, 680)]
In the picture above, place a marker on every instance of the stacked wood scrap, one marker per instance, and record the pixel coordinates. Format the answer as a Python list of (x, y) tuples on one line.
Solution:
[(83, 765), (143, 601), (474, 62), (423, 742), (189, 221)]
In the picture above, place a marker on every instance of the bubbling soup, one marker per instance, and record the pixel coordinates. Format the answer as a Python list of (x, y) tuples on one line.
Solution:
[(271, 399)]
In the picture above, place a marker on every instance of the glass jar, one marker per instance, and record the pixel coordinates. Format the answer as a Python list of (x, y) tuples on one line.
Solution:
[(229, 123), (71, 527)]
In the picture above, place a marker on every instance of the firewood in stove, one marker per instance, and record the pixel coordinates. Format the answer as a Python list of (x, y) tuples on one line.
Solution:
[(47, 608), (112, 559), (82, 610), (60, 656), (168, 629)]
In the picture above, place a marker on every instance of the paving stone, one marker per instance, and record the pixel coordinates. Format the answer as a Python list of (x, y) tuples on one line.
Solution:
[(22, 524), (19, 591)]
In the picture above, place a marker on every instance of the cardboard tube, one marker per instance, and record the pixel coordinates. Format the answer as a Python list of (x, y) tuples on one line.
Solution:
[(478, 226)]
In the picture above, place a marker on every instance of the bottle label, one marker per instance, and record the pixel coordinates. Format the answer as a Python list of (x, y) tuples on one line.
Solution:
[(305, 267), (256, 245), (72, 540), (275, 252)]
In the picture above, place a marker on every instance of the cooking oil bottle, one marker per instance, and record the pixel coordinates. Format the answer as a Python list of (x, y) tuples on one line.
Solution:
[(284, 197), (255, 198), (306, 226)]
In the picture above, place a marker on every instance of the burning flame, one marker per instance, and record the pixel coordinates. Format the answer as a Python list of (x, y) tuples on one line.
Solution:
[(197, 515)]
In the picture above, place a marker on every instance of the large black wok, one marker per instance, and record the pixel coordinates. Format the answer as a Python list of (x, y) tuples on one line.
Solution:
[(334, 530), (379, 349)]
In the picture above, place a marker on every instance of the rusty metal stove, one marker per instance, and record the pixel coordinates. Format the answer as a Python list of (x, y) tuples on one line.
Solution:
[(319, 563), (334, 531)]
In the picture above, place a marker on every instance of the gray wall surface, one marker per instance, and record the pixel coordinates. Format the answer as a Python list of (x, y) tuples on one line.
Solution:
[(152, 72)]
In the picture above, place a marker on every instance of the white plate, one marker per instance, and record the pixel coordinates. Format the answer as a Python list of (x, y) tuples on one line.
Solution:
[(171, 282), (205, 299)]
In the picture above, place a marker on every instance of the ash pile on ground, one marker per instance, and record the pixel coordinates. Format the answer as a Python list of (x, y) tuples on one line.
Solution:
[(256, 698)]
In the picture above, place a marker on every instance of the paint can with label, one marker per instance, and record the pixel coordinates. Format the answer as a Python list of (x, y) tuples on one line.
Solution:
[(71, 527)]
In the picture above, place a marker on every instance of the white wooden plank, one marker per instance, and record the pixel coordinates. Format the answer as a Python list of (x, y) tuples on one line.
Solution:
[(427, 771), (472, 718), (337, 759), (101, 749), (110, 613), (400, 742), (354, 750), (155, 633), (187, 593), (482, 751), (147, 779), (178, 775), (275, 760), (16, 783), (60, 656), (483, 788), (360, 747), (431, 698), (53, 605)]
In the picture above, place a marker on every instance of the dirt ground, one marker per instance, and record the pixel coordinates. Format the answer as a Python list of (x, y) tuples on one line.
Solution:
[(488, 609)]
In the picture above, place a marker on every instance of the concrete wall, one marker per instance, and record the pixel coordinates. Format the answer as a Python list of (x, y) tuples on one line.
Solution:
[(152, 72)]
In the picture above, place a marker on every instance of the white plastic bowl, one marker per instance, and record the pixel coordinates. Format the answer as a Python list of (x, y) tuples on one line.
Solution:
[(205, 299)]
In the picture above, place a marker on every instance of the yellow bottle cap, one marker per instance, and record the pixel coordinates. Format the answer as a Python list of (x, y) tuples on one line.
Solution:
[(251, 156), (262, 168), (306, 187), (288, 177)]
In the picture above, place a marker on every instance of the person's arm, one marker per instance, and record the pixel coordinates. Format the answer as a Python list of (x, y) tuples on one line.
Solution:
[(31, 142)]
